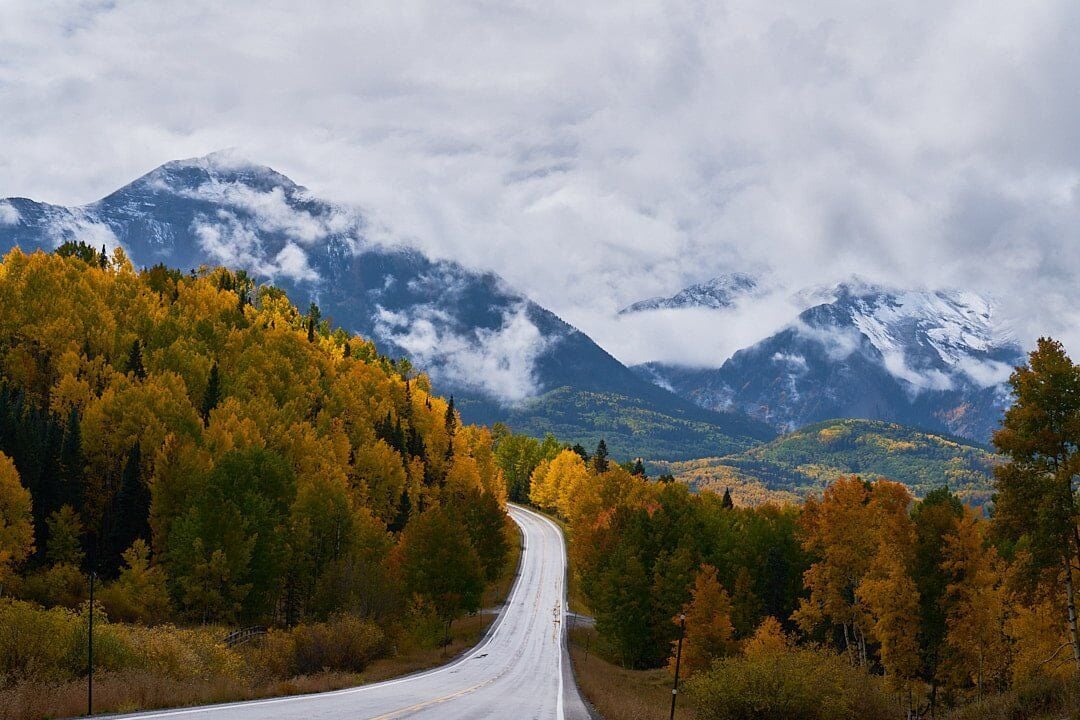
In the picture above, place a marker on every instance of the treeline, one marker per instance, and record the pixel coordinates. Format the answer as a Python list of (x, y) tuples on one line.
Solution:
[(215, 455), (865, 601)]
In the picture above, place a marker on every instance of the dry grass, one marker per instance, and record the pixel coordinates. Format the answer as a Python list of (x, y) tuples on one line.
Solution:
[(131, 690), (617, 693)]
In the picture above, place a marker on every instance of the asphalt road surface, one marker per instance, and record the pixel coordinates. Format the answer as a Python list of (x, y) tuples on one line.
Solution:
[(520, 670)]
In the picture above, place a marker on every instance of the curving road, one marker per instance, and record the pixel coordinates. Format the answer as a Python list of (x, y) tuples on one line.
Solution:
[(520, 670)]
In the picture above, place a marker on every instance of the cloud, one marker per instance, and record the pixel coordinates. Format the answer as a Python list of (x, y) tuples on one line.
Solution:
[(9, 214), (838, 342), (595, 155), (985, 373), (292, 262), (229, 241), (270, 212), (496, 361), (78, 226)]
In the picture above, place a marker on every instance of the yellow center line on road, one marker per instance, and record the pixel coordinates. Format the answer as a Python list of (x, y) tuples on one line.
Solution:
[(428, 703)]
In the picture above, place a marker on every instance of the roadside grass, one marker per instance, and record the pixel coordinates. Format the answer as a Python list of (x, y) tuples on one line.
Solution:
[(133, 690), (130, 690), (615, 692)]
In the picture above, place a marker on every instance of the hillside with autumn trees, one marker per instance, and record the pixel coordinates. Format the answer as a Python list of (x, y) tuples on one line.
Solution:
[(219, 458), (802, 463), (862, 601)]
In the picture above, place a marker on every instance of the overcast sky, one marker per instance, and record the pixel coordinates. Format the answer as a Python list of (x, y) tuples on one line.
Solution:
[(595, 157)]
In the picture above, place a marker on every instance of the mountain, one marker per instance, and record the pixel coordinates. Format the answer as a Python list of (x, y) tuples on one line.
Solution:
[(503, 356), (794, 465), (936, 360), (720, 292)]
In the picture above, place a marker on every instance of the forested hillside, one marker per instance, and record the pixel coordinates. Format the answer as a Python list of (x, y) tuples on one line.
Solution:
[(804, 462), (217, 456), (864, 601)]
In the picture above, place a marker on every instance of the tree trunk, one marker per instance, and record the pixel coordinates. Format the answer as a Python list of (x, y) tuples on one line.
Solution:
[(1070, 598)]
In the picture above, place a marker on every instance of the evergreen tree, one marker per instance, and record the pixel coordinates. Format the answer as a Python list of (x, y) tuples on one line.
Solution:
[(72, 463), (134, 362), (581, 451), (727, 502), (450, 418), (600, 460), (313, 319), (638, 469), (404, 510), (128, 516), (212, 395), (935, 519)]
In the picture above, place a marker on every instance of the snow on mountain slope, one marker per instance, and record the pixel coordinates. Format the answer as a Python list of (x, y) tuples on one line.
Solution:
[(720, 292), (935, 359)]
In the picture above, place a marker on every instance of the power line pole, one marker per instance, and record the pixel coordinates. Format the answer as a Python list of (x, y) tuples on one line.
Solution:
[(90, 651), (678, 660)]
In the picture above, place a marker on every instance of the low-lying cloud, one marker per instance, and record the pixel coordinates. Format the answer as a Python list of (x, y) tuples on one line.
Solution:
[(499, 362), (229, 241), (9, 215)]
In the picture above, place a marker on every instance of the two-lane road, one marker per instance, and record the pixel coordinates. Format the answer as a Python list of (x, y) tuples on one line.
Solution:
[(521, 669)]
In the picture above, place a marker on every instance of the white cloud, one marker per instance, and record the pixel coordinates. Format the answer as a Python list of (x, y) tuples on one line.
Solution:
[(985, 373), (838, 342), (271, 212), (595, 154), (229, 241), (796, 362), (292, 262), (9, 215), (498, 361), (79, 226)]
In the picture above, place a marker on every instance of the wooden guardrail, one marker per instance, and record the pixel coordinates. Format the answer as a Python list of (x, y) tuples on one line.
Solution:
[(243, 635)]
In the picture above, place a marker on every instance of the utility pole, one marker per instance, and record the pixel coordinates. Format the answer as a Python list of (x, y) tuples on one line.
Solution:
[(90, 651), (678, 660)]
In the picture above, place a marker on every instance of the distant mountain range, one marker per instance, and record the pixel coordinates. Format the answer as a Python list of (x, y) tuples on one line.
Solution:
[(934, 360), (504, 357)]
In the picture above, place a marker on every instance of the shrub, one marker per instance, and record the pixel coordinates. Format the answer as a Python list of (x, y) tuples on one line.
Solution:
[(809, 684), (345, 642), (51, 645), (59, 585), (36, 642), (425, 629)]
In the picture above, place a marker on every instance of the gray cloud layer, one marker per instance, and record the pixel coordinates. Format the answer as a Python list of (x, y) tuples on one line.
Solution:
[(596, 156)]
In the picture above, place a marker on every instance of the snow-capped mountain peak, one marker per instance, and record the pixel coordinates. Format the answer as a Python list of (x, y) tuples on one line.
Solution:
[(933, 358), (927, 337), (717, 293)]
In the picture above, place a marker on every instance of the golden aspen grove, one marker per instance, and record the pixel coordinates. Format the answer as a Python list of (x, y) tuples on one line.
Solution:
[(219, 459)]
